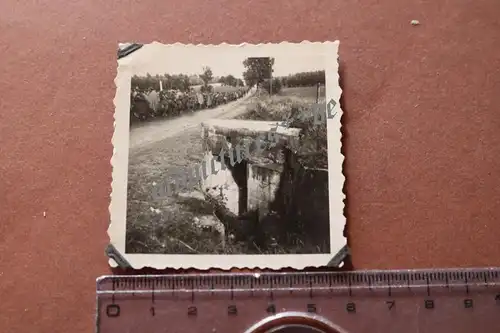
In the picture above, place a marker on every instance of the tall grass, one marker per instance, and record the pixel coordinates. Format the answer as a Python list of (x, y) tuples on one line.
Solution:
[(297, 113)]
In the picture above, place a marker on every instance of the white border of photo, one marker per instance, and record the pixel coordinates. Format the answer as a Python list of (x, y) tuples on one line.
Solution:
[(151, 57)]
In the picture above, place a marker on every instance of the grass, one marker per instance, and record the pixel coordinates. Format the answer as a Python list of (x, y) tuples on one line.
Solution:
[(166, 225), (296, 104), (154, 226), (302, 92), (172, 230)]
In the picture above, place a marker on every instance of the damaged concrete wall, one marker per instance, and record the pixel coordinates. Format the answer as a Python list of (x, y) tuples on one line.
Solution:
[(263, 182), (221, 185), (239, 142), (275, 180)]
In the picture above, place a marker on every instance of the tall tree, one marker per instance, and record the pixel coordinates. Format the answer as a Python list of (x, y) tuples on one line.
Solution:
[(207, 75), (257, 69)]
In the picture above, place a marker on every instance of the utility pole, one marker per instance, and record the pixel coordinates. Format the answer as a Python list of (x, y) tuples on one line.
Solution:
[(317, 92), (270, 80)]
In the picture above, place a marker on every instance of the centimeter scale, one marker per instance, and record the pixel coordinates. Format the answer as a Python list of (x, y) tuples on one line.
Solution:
[(430, 301)]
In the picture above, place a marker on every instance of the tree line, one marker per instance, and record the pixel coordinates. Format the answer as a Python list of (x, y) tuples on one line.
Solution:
[(183, 82), (304, 79), (179, 82), (259, 71)]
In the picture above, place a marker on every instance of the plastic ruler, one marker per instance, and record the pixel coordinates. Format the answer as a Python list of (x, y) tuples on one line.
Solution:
[(431, 301)]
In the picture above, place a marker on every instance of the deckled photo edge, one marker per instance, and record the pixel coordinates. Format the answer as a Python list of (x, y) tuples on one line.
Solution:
[(119, 140), (118, 206), (336, 177)]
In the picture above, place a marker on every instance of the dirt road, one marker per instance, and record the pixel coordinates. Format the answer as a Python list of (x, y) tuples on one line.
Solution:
[(142, 136)]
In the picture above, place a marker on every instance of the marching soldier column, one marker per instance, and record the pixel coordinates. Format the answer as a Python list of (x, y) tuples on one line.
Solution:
[(173, 103)]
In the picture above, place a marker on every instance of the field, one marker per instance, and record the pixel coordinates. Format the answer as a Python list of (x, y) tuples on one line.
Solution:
[(302, 92)]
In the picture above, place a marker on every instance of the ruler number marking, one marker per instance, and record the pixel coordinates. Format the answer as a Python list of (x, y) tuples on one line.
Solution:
[(429, 304), (351, 307), (311, 308), (390, 304), (192, 311), (232, 310), (113, 310), (468, 303)]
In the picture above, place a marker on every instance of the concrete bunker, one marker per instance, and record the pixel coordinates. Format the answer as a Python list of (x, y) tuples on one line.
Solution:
[(258, 177)]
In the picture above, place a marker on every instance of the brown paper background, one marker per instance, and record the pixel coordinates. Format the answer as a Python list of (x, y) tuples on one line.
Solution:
[(421, 127)]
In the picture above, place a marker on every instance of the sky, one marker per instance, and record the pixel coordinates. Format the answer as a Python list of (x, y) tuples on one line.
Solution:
[(223, 60)]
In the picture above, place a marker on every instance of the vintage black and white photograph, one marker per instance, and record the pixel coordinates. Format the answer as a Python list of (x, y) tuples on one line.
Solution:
[(228, 156)]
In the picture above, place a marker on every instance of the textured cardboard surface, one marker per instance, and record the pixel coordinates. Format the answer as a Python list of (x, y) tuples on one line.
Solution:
[(421, 132)]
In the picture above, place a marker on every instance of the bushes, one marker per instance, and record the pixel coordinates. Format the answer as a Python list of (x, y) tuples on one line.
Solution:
[(274, 88), (312, 151), (173, 103)]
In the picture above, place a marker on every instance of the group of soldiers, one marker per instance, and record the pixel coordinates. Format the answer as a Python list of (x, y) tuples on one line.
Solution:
[(173, 103)]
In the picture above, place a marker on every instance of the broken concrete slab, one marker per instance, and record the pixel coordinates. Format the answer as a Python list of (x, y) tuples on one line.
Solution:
[(258, 141)]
